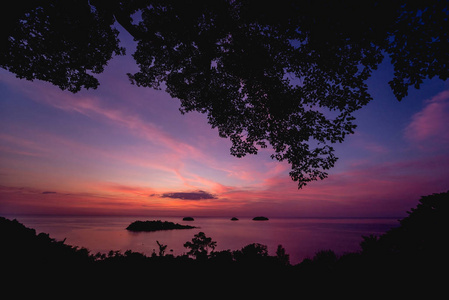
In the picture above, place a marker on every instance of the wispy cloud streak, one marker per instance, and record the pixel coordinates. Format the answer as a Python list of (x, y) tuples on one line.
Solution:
[(429, 127)]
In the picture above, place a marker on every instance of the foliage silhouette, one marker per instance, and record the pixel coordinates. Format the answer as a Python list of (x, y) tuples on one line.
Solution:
[(200, 245), (61, 42), (162, 248), (251, 252), (407, 259), (282, 255), (422, 235), (263, 74)]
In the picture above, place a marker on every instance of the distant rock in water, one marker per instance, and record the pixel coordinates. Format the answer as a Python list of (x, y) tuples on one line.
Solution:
[(234, 219), (155, 226), (188, 219), (260, 218)]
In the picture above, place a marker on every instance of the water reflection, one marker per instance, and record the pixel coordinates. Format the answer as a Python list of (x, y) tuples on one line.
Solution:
[(300, 237)]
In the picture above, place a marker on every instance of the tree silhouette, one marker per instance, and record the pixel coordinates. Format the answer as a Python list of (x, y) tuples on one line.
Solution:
[(421, 235), (288, 75), (162, 248), (57, 41), (251, 253), (282, 255), (200, 245)]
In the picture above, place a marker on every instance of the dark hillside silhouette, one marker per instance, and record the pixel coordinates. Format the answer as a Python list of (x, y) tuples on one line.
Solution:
[(406, 260), (289, 75), (421, 240)]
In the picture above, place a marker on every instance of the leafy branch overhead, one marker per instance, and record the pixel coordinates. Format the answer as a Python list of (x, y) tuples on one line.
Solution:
[(287, 76)]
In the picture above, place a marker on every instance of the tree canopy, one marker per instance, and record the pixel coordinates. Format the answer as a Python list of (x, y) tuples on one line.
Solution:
[(287, 75), (199, 246)]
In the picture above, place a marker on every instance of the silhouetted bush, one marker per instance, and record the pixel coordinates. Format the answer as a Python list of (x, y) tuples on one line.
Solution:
[(422, 233), (411, 255), (200, 245)]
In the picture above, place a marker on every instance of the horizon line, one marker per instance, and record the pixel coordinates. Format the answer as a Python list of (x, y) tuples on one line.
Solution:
[(194, 216)]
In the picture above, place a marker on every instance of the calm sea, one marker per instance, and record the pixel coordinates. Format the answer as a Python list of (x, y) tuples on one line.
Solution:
[(300, 237)]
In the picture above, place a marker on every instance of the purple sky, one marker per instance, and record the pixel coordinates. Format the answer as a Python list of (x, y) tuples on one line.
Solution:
[(122, 150)]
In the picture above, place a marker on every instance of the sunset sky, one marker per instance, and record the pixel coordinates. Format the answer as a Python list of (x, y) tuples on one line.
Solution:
[(127, 150)]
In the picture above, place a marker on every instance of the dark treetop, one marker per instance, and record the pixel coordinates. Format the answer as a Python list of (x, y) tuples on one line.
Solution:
[(288, 75), (155, 226)]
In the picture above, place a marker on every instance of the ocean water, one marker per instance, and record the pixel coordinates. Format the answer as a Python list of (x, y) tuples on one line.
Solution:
[(301, 237)]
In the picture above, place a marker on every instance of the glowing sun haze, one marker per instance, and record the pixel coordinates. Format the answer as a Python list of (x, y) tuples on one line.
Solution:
[(125, 150)]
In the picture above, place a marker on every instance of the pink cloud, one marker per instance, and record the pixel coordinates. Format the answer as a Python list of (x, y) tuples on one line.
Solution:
[(18, 145), (93, 107), (170, 151), (157, 148), (122, 189), (430, 126), (369, 189), (366, 141), (366, 190), (200, 161), (124, 200)]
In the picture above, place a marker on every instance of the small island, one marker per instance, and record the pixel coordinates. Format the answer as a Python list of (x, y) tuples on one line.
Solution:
[(260, 218), (188, 219), (234, 219), (156, 226)]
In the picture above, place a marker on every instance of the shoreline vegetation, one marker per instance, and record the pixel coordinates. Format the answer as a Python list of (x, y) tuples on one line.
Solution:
[(158, 225), (411, 255)]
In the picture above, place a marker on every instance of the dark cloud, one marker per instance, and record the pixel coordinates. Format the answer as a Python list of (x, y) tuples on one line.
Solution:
[(47, 192), (198, 195)]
